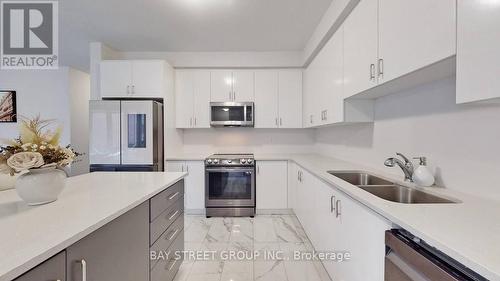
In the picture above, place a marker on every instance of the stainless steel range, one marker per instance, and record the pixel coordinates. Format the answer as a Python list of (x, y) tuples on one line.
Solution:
[(230, 185)]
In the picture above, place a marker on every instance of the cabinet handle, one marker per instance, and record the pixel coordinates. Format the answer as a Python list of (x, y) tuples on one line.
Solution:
[(311, 118), (372, 72), (173, 234), (234, 96), (84, 269), (173, 215), (326, 115), (172, 266), (173, 196), (133, 89), (332, 204), (337, 208), (258, 169), (195, 121), (128, 90), (276, 121), (381, 68), (281, 121), (298, 175)]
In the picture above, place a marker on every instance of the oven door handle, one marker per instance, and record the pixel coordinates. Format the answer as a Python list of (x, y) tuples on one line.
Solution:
[(231, 169)]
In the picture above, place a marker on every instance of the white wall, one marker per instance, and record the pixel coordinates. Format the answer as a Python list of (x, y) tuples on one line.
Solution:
[(244, 140), (60, 94), (460, 141)]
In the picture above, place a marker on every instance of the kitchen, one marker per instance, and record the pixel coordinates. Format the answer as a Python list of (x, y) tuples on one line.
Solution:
[(360, 130)]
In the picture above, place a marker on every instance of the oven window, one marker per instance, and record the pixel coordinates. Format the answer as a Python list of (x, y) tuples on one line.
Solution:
[(230, 185), (228, 113)]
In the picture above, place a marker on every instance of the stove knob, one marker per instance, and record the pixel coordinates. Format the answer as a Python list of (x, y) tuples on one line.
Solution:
[(229, 161), (216, 161), (249, 161), (209, 161), (243, 161)]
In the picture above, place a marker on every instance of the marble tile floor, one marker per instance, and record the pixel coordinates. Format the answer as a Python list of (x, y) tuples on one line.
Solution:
[(265, 234)]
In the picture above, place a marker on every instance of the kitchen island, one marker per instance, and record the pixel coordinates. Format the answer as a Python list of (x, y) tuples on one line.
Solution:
[(31, 235)]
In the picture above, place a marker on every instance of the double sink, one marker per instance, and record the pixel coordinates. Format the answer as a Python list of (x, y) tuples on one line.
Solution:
[(389, 190)]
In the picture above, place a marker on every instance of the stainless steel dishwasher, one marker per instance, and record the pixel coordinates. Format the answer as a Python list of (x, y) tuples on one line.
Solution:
[(409, 258)]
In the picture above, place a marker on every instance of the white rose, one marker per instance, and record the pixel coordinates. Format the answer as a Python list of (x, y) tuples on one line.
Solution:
[(70, 156), (25, 160)]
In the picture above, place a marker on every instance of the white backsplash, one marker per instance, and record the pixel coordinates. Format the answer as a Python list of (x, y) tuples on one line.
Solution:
[(461, 142)]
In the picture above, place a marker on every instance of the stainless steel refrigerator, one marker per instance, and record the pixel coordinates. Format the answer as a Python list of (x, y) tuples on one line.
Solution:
[(126, 135)]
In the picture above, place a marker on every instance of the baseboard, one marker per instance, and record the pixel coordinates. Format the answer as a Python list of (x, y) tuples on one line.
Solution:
[(274, 212)]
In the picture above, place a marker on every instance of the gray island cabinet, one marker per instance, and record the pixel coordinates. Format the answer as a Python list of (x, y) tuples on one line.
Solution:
[(120, 250)]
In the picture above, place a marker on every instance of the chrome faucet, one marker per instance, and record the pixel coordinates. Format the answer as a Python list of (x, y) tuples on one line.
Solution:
[(406, 166)]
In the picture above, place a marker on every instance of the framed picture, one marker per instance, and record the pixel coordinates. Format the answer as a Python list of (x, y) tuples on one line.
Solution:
[(8, 110)]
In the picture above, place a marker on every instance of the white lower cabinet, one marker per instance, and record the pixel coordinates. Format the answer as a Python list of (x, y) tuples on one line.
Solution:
[(194, 183), (272, 185), (335, 222)]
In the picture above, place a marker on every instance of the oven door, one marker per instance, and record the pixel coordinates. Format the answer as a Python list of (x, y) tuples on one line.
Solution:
[(231, 114), (230, 187)]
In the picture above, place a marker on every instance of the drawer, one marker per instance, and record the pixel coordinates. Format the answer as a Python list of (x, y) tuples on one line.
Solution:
[(165, 220), (166, 269), (50, 270), (165, 199)]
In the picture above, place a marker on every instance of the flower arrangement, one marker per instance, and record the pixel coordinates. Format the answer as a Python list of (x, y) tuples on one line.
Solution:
[(37, 147)]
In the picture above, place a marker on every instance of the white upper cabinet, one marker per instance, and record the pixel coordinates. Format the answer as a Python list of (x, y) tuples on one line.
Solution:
[(478, 56), (309, 100), (141, 78), (278, 99), (116, 78), (266, 99), (415, 34), (243, 86), (184, 98), (290, 98), (272, 185), (201, 94), (232, 86), (221, 85), (192, 99), (360, 48)]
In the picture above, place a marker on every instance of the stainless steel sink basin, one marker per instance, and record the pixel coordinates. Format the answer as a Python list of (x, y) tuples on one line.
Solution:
[(388, 190), (406, 195), (360, 178)]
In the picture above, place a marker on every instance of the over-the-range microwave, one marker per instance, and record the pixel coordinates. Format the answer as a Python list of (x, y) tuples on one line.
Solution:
[(232, 114)]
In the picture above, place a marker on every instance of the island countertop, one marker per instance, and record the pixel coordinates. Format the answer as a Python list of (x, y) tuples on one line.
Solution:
[(30, 235)]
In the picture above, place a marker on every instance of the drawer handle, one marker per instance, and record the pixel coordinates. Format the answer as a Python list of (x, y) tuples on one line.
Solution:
[(173, 234), (172, 266), (172, 216), (84, 269), (173, 196)]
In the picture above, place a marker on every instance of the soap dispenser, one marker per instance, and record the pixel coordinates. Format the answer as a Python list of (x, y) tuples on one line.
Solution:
[(422, 176)]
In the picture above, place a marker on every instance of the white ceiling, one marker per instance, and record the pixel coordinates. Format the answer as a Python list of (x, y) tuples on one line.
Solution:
[(186, 25)]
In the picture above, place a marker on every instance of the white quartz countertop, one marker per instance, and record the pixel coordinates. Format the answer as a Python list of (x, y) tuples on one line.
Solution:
[(30, 235), (468, 231)]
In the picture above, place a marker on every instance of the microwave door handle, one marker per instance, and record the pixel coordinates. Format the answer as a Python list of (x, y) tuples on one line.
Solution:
[(245, 113)]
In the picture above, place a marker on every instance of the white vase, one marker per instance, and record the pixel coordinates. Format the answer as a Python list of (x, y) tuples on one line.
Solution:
[(40, 186)]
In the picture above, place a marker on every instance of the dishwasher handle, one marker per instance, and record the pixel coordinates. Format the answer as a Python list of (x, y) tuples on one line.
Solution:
[(409, 260)]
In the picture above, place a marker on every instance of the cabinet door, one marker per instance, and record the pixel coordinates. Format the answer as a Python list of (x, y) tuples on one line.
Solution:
[(201, 85), (176, 166), (365, 241), (184, 99), (266, 99), (117, 251), (195, 185), (360, 48), (290, 98), (50, 270), (272, 185), (104, 126), (309, 101), (293, 181), (478, 46), (148, 78), (137, 132), (306, 201), (116, 78), (415, 34), (221, 85), (243, 86)]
